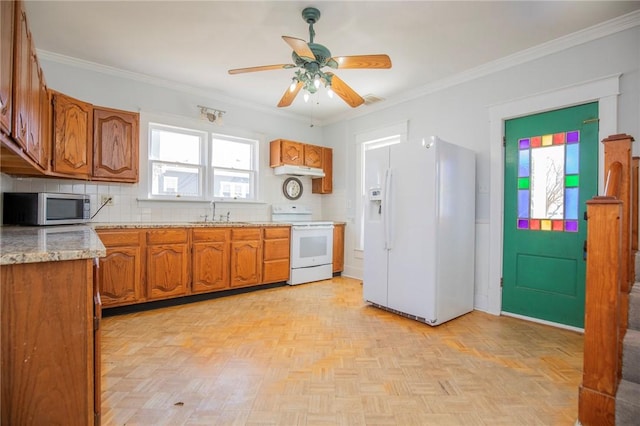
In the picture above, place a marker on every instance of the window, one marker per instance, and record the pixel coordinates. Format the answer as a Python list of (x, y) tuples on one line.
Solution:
[(196, 165), (234, 170), (175, 161)]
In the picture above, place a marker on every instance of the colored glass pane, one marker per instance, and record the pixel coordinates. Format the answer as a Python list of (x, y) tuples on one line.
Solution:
[(573, 137), (523, 203), (573, 159), (558, 138), (536, 142), (523, 143), (557, 225), (534, 224), (523, 224), (572, 181), (545, 225), (523, 183), (571, 226), (523, 163), (571, 203), (547, 140)]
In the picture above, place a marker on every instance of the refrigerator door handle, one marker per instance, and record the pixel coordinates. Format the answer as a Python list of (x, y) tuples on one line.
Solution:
[(386, 209)]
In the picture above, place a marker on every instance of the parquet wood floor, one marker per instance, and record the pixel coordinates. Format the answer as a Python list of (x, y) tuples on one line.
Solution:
[(316, 354)]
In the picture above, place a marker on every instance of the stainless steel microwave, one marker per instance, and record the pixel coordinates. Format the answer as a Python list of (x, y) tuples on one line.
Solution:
[(45, 208)]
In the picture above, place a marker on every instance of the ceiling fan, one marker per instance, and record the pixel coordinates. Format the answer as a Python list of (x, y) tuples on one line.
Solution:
[(310, 59)]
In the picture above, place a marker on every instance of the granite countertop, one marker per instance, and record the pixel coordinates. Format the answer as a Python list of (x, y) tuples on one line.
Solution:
[(21, 244), (135, 225)]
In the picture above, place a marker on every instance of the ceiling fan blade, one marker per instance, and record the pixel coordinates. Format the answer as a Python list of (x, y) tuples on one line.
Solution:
[(300, 47), (363, 61), (347, 94), (289, 95), (261, 68)]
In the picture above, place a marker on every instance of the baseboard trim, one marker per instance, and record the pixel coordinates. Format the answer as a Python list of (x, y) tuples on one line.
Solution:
[(541, 321)]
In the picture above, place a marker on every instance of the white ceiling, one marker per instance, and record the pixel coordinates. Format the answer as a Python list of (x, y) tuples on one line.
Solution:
[(196, 43)]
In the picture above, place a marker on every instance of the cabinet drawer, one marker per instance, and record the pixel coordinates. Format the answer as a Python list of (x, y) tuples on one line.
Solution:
[(276, 233), (214, 235), (118, 238), (245, 234), (276, 249), (162, 236)]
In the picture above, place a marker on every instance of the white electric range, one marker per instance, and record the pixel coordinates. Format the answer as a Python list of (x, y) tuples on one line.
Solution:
[(311, 243)]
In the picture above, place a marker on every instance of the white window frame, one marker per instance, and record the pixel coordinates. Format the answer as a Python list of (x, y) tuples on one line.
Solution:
[(203, 136), (149, 120), (253, 171)]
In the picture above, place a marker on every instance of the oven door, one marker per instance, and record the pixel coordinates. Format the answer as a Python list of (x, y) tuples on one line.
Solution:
[(311, 245)]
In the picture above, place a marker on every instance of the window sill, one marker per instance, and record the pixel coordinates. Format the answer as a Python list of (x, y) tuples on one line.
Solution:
[(187, 200)]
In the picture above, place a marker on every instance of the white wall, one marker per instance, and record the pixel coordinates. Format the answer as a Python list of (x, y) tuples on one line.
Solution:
[(460, 114)]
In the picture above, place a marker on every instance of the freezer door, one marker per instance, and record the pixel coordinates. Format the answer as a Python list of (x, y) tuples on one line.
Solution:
[(374, 286)]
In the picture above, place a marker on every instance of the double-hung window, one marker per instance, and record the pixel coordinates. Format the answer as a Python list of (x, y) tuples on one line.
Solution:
[(233, 162), (193, 164)]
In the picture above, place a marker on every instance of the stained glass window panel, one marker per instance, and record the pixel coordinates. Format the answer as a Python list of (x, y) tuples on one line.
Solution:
[(548, 182)]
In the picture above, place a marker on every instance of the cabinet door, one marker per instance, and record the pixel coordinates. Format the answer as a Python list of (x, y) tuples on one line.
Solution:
[(34, 137), (338, 247), (210, 266), (120, 272), (324, 185), (115, 145), (21, 79), (286, 152), (119, 276), (72, 143), (313, 156), (167, 270), (246, 257), (7, 19)]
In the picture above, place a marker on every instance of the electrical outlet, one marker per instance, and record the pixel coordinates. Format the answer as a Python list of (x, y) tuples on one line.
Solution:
[(106, 199)]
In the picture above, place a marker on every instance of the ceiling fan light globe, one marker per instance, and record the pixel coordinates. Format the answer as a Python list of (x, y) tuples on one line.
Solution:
[(306, 96)]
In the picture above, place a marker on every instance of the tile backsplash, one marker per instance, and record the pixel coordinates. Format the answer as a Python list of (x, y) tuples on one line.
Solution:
[(127, 208)]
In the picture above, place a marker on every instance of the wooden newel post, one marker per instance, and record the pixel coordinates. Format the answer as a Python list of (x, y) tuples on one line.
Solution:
[(604, 272)]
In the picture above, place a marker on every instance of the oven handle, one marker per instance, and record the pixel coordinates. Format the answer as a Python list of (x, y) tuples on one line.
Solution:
[(310, 227)]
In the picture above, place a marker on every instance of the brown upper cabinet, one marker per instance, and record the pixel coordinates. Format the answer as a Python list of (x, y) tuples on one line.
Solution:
[(284, 152), (115, 145), (324, 185), (72, 140), (313, 156), (7, 18), (46, 133), (293, 153)]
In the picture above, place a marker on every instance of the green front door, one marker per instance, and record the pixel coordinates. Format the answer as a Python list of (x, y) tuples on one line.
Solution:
[(551, 170)]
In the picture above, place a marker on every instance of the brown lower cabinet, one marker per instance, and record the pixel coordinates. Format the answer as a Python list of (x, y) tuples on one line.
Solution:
[(49, 375), (161, 263)]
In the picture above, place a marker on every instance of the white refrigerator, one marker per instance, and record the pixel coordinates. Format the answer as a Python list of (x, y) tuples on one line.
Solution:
[(419, 229)]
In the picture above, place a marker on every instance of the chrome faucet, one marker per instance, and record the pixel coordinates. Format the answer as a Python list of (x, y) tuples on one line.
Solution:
[(228, 213), (213, 210)]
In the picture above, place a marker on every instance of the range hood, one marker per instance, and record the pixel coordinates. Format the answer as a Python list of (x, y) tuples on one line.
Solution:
[(298, 171)]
